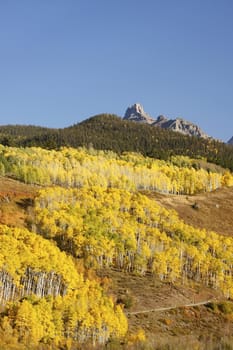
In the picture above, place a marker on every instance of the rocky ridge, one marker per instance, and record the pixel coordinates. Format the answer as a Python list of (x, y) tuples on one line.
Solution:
[(136, 113)]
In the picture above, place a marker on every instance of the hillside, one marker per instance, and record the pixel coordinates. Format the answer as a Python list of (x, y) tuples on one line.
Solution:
[(109, 132), (179, 327), (106, 218), (13, 135), (203, 324), (15, 198), (212, 211), (41, 284)]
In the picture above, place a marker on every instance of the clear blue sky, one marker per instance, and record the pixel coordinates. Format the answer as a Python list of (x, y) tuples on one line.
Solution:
[(62, 61)]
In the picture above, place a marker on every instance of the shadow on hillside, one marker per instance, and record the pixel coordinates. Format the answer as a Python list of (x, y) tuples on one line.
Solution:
[(24, 203)]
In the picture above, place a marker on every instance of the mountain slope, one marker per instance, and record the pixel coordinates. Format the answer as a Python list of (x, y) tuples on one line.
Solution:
[(136, 113), (110, 132), (212, 211), (195, 326), (23, 130)]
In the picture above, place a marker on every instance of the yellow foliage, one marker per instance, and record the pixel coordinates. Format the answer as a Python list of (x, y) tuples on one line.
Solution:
[(82, 311), (131, 232), (138, 337), (131, 171), (92, 216)]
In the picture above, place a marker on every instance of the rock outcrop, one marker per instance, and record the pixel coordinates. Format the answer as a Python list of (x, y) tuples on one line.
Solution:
[(136, 113), (180, 125)]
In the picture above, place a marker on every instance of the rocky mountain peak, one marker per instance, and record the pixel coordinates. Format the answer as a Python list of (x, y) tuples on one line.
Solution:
[(161, 118), (138, 108), (136, 113)]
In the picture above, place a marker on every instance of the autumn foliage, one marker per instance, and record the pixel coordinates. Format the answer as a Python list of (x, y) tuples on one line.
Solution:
[(88, 214)]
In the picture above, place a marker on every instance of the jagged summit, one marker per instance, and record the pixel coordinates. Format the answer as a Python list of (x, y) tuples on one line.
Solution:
[(180, 125), (136, 113), (161, 120)]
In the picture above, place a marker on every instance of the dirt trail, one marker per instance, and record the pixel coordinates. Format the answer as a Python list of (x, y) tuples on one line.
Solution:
[(169, 308)]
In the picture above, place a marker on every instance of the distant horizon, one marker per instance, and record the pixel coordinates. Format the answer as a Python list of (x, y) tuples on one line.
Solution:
[(63, 62)]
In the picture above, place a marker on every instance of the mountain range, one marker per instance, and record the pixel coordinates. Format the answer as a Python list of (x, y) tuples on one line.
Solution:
[(136, 113), (137, 131)]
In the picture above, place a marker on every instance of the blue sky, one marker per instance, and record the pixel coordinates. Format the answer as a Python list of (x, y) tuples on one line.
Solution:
[(63, 61)]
